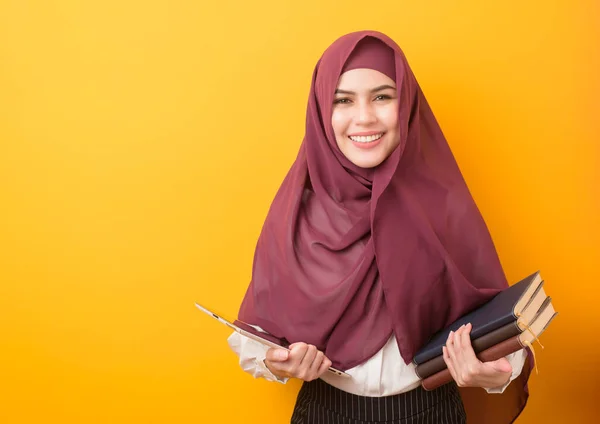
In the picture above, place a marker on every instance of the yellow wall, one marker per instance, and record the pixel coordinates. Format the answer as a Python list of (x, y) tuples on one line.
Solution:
[(142, 141)]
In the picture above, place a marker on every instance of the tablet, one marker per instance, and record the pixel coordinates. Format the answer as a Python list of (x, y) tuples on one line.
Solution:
[(259, 336)]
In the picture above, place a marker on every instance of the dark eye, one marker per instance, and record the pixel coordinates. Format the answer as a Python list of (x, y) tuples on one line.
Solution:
[(383, 97), (340, 101)]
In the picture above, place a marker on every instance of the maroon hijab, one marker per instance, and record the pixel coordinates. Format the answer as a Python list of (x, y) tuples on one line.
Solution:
[(348, 256)]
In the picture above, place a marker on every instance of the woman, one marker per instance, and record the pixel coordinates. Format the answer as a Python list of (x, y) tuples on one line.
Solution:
[(371, 245)]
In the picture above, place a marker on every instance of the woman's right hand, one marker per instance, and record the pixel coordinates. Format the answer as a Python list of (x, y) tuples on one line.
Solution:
[(303, 361)]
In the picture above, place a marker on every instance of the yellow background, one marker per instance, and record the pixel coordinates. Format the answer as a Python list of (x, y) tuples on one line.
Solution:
[(142, 141)]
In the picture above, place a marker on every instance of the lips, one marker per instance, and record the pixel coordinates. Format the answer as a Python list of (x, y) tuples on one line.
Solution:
[(366, 140)]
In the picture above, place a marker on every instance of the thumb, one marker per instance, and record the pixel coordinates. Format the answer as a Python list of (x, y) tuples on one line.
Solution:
[(277, 355), (501, 365)]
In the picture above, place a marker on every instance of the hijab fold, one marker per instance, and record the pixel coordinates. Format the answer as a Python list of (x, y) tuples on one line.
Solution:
[(349, 256)]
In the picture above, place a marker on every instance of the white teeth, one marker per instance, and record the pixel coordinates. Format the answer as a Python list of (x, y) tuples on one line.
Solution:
[(367, 138)]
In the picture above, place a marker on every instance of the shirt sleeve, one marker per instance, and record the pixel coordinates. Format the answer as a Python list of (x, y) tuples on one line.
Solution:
[(251, 357), (517, 360)]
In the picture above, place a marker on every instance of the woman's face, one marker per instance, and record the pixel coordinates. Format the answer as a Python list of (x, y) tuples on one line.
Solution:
[(365, 117)]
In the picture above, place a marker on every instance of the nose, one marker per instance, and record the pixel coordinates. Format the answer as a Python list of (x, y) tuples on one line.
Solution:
[(365, 113)]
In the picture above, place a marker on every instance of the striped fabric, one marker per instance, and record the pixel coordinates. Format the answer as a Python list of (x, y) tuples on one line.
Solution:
[(320, 403)]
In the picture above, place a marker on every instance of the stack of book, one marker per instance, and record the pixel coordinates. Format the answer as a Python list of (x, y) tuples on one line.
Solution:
[(510, 321)]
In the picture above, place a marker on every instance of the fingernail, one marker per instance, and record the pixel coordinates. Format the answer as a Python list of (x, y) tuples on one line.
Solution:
[(282, 354)]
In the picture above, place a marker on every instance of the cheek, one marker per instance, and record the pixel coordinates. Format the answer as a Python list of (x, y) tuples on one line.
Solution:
[(389, 115), (339, 122)]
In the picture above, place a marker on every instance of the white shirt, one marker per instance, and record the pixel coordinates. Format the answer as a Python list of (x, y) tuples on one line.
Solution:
[(384, 374)]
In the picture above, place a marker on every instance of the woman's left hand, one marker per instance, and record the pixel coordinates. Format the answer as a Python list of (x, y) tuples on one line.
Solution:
[(466, 369)]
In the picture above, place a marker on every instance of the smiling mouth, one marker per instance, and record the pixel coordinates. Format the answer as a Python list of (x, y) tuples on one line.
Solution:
[(365, 138)]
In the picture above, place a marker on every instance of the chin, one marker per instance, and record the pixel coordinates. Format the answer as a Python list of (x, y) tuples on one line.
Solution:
[(366, 163)]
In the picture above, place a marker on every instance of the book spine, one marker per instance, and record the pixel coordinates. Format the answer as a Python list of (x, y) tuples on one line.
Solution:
[(437, 364), (490, 354)]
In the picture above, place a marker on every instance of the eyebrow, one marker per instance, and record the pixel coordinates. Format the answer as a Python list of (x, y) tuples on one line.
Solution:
[(376, 89)]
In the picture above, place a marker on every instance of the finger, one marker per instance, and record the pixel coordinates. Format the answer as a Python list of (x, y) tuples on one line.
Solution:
[(467, 353), (450, 345), (295, 358), (295, 345), (275, 364), (459, 365), (324, 366), (499, 366), (276, 355), (489, 376), (503, 365), (277, 368), (316, 364), (470, 365), (458, 337), (301, 367), (458, 347), (449, 363), (309, 357), (298, 351)]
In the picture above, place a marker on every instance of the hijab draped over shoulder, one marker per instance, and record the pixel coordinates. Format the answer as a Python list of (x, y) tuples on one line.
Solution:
[(349, 256)]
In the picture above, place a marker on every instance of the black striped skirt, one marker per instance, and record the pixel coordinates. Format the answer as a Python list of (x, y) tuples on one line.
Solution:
[(320, 403)]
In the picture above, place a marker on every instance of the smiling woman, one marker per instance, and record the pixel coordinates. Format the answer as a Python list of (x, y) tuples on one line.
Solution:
[(365, 112), (141, 143), (363, 255)]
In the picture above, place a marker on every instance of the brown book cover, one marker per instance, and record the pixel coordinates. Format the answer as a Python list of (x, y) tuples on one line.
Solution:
[(533, 309), (519, 301), (493, 353), (504, 348), (479, 345)]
